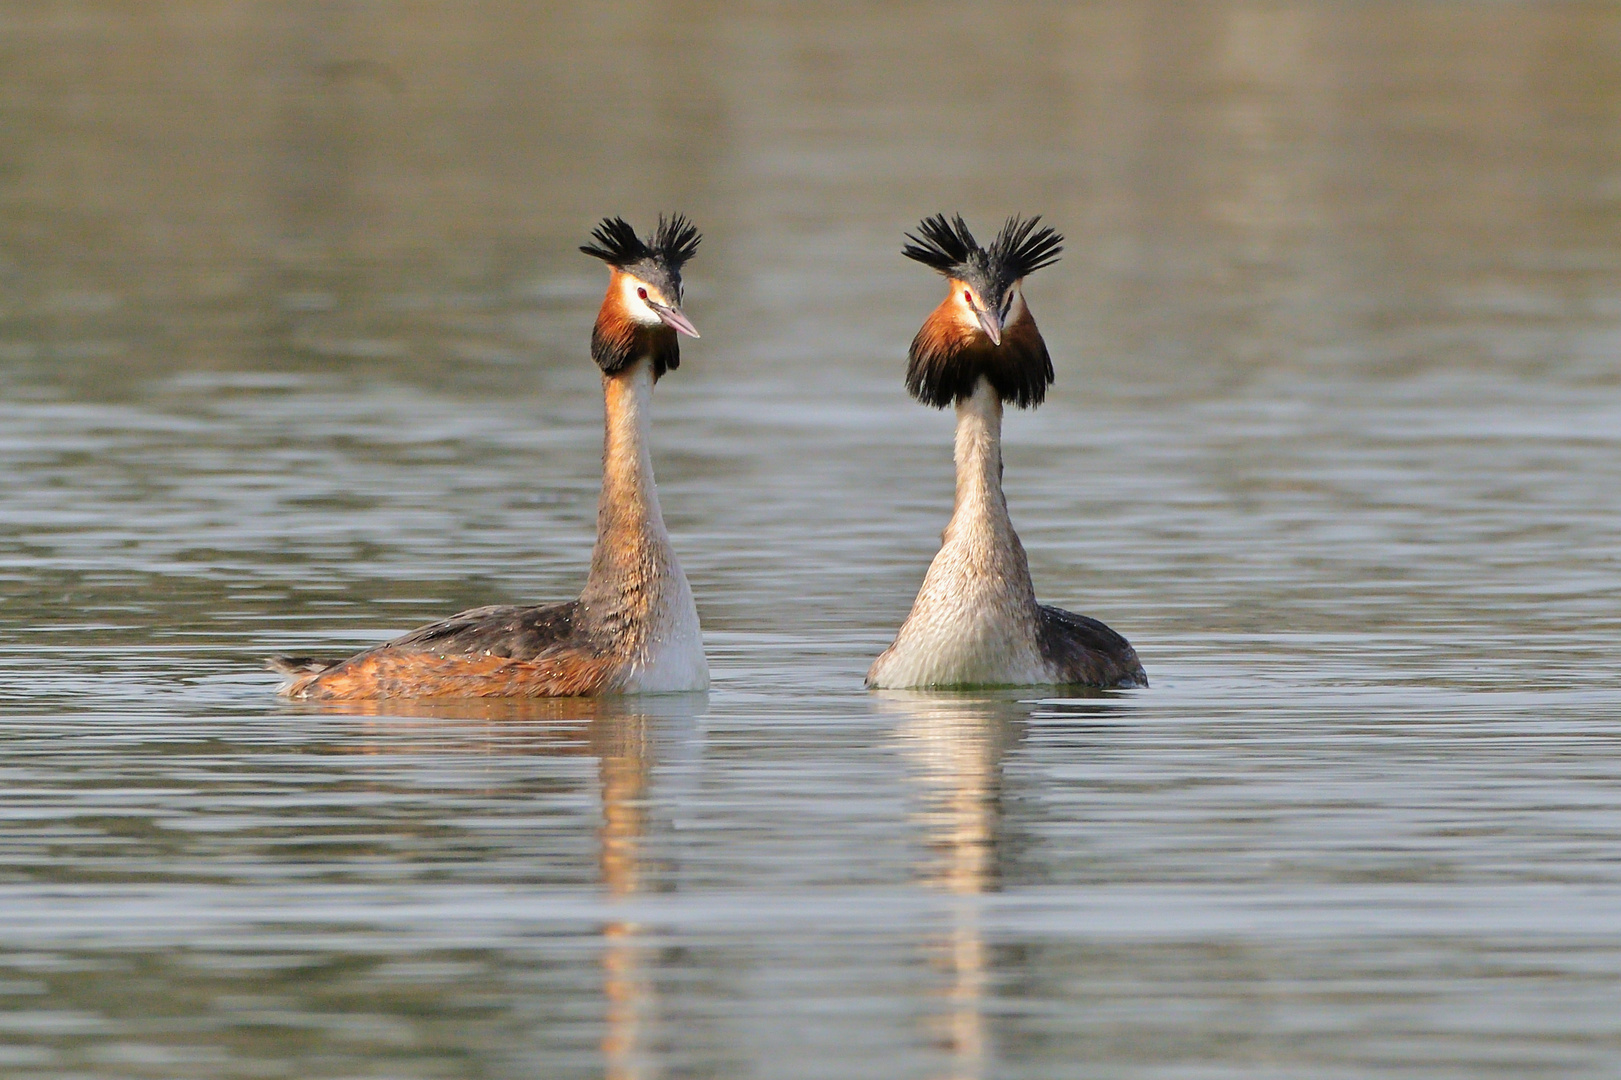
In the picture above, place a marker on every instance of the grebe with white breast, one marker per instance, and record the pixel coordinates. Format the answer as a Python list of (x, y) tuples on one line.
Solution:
[(976, 621), (634, 628)]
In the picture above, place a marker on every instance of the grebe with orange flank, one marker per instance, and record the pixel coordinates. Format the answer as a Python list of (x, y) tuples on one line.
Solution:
[(634, 628)]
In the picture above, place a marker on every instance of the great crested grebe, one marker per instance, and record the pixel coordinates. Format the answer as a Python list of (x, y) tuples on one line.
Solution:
[(634, 628), (975, 621)]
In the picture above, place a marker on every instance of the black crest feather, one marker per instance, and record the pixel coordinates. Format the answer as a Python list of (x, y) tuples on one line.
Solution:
[(1022, 248), (617, 243), (675, 241), (944, 245), (670, 246), (1019, 250)]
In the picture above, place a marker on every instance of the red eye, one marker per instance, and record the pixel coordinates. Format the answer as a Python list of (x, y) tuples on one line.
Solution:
[(968, 296), (642, 293)]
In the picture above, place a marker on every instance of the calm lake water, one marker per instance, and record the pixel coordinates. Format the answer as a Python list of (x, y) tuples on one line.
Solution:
[(293, 357)]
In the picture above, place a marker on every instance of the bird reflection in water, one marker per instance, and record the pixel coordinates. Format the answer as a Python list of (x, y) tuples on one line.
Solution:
[(623, 734), (955, 746), (624, 751)]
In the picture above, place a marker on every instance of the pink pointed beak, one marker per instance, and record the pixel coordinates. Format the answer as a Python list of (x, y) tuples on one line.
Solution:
[(673, 318), (990, 324)]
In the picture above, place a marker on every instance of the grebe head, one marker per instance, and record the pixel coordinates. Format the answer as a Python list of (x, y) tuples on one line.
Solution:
[(641, 314), (983, 328)]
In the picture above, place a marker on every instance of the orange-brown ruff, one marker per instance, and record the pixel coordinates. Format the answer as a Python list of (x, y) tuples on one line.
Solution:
[(976, 621), (634, 627)]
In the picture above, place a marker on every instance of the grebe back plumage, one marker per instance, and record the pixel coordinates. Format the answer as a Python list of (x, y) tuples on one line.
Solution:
[(976, 621), (634, 627)]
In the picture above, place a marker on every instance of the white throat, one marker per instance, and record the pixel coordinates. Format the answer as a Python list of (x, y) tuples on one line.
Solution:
[(975, 619), (977, 452)]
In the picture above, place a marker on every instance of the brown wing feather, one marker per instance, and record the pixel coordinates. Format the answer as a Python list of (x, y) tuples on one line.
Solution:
[(484, 652), (1087, 652), (518, 633)]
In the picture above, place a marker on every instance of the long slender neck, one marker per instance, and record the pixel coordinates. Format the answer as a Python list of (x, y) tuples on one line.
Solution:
[(631, 540), (978, 455)]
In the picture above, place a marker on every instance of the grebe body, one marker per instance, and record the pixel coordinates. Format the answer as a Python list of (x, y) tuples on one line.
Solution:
[(634, 628), (976, 621)]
